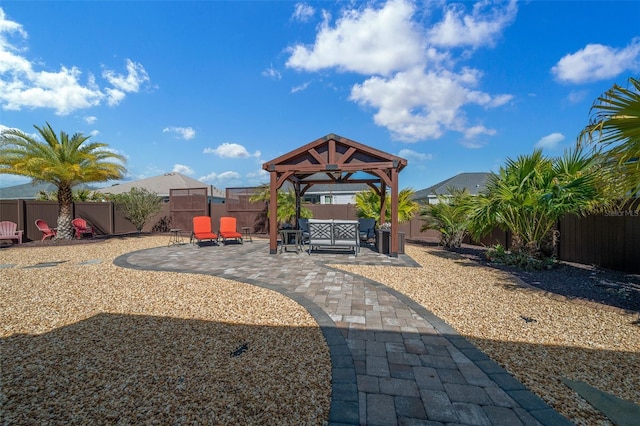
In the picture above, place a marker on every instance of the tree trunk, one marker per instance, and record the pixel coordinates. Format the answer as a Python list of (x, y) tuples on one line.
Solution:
[(65, 213)]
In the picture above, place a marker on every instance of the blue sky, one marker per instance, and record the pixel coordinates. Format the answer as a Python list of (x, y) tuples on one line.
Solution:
[(213, 89)]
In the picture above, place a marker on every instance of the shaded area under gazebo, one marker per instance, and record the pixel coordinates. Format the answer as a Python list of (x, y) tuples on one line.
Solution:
[(335, 159)]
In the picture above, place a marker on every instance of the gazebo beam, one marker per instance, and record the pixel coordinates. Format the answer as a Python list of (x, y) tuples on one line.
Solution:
[(330, 167)]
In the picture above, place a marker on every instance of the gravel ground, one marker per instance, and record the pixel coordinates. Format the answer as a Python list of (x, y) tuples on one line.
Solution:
[(91, 343), (614, 289), (537, 336), (165, 342)]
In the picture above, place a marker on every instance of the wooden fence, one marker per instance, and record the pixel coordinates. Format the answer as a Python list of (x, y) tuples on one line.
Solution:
[(609, 240)]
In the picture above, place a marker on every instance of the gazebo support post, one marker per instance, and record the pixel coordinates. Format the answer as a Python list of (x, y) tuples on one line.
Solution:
[(273, 213), (296, 187), (383, 202), (393, 252)]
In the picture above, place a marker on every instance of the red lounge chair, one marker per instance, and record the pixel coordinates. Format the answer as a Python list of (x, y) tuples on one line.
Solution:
[(44, 228), (228, 229), (81, 228), (202, 229), (9, 231)]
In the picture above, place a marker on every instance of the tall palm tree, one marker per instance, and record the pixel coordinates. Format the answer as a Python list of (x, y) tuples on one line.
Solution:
[(615, 126), (530, 194), (62, 160)]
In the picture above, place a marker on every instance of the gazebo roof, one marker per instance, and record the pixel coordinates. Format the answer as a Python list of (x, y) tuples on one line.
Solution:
[(333, 158)]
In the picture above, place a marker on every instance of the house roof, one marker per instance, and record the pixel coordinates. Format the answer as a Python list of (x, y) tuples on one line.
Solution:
[(162, 185), (28, 191), (473, 182)]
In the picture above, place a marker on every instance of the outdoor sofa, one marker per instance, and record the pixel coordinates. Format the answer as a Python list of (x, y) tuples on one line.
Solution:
[(333, 233)]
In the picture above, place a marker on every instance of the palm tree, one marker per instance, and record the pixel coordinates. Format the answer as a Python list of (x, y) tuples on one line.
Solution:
[(615, 125), (530, 194), (450, 216), (62, 160), (368, 205)]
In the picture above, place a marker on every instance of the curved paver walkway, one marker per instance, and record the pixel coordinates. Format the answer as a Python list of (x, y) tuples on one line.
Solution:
[(393, 362)]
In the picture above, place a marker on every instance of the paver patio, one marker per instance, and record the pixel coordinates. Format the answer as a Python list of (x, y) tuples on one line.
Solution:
[(393, 361)]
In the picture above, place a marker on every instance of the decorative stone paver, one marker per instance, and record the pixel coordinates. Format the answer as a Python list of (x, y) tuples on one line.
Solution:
[(393, 362)]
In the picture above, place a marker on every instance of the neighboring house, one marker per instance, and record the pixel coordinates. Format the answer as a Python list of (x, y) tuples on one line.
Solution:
[(328, 193), (473, 182), (29, 191), (162, 185)]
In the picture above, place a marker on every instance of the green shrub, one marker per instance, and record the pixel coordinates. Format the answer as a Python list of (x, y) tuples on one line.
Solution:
[(521, 260)]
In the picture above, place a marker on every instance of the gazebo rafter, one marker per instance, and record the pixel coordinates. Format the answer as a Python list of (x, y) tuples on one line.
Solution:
[(335, 159)]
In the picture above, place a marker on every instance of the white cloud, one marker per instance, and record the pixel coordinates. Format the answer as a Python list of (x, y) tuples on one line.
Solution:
[(230, 150), (115, 151), (303, 12), (94, 133), (368, 41), (416, 90), (472, 143), (258, 177), (186, 133), (4, 128), (130, 83), (185, 170), (550, 141), (472, 132), (221, 179), (485, 23), (301, 87), (22, 86), (597, 62), (410, 154), (273, 73), (577, 96), (414, 105), (226, 176), (90, 119)]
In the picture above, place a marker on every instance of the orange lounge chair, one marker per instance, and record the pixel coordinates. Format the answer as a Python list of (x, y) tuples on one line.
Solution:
[(44, 228), (81, 228), (9, 231), (228, 229), (202, 229)]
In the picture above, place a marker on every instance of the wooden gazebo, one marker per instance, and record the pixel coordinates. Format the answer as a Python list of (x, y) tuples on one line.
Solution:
[(334, 159)]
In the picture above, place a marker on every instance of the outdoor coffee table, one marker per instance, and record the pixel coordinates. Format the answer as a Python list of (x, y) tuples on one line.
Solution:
[(290, 238)]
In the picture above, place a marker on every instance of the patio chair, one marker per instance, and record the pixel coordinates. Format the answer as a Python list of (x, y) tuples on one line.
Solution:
[(9, 231), (228, 230), (44, 228), (81, 228), (202, 230), (303, 225), (367, 229)]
